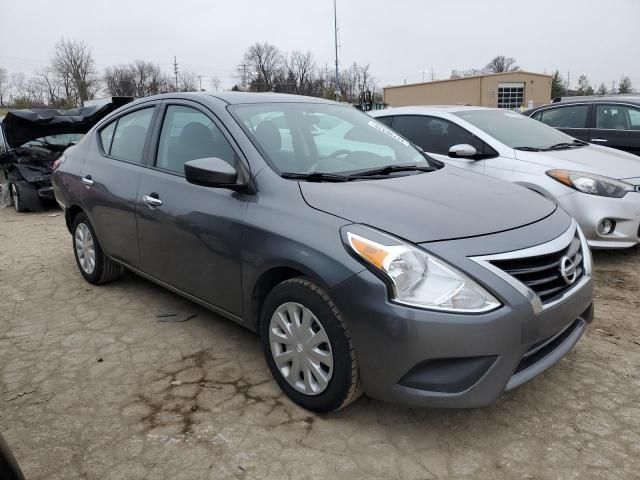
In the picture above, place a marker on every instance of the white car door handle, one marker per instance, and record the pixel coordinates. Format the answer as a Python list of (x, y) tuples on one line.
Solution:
[(152, 200), (87, 180), (601, 140)]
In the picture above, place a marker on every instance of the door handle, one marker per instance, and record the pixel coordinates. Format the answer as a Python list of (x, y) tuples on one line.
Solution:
[(601, 140), (152, 200), (87, 180)]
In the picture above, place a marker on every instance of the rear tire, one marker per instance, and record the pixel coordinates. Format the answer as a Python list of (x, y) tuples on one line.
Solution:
[(93, 264), (16, 198), (319, 375)]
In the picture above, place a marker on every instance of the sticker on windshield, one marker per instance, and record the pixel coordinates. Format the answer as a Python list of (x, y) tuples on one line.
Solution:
[(392, 134)]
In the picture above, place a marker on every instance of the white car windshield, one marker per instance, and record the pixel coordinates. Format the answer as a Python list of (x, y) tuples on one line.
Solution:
[(517, 131), (302, 138)]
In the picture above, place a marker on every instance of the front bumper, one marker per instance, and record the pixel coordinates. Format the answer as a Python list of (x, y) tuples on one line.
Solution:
[(589, 210), (428, 358)]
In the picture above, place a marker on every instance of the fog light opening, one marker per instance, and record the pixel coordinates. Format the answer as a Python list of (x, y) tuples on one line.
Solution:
[(606, 226)]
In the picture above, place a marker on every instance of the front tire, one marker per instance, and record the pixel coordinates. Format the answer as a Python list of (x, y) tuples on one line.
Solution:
[(93, 264), (308, 347)]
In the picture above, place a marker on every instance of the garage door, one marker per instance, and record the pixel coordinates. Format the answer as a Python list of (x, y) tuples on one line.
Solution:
[(510, 95)]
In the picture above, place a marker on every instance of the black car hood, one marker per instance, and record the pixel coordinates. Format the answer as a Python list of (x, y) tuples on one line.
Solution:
[(441, 205), (22, 126)]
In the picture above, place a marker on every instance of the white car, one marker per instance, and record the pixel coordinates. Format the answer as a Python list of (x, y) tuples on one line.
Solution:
[(598, 186)]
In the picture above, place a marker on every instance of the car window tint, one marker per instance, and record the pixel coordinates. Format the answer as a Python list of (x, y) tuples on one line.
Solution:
[(188, 134), (386, 120), (434, 135), (106, 134), (537, 116), (130, 135), (617, 117), (566, 117)]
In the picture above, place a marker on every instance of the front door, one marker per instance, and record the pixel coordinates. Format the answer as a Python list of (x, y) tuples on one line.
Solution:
[(190, 236), (570, 119)]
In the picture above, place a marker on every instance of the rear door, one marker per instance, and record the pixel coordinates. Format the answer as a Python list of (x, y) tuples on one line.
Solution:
[(190, 236), (111, 174), (617, 126), (570, 119)]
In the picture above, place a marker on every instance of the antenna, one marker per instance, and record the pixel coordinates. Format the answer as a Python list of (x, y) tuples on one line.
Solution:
[(335, 33)]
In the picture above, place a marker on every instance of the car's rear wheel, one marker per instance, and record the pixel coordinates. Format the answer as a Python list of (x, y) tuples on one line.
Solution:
[(308, 347), (16, 199), (93, 264)]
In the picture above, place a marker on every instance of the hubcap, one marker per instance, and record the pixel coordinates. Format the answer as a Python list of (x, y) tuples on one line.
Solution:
[(301, 348), (85, 249)]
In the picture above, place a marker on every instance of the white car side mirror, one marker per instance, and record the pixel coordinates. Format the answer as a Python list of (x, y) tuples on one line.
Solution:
[(462, 150)]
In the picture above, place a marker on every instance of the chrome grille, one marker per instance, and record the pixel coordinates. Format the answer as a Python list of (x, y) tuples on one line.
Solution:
[(544, 273)]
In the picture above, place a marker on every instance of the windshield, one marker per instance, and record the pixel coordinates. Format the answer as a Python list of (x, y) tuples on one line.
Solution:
[(304, 138), (514, 129), (60, 139)]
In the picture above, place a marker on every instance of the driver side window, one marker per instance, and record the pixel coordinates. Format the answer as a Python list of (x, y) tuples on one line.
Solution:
[(188, 134)]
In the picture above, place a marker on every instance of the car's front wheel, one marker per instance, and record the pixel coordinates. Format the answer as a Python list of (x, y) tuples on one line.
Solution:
[(308, 347), (93, 264)]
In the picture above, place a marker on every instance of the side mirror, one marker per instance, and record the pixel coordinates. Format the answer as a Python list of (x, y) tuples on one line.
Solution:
[(211, 172), (462, 150)]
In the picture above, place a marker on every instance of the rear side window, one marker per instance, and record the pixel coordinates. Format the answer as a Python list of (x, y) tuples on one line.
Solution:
[(106, 135), (565, 117), (130, 135), (188, 134), (617, 117)]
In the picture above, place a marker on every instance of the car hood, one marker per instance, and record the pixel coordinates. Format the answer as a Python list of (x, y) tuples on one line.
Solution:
[(592, 159), (22, 126), (441, 205)]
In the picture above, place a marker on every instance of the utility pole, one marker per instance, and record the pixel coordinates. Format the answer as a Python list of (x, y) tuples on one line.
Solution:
[(335, 33), (613, 87), (200, 79), (244, 75), (175, 70), (433, 74), (568, 81)]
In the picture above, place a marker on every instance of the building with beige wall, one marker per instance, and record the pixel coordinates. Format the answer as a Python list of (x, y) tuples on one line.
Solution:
[(503, 90)]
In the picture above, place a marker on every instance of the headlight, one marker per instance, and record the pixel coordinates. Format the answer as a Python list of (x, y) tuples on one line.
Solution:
[(592, 184), (419, 279)]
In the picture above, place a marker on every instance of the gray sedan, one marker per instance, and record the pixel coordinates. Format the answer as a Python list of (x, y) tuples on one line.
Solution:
[(363, 264)]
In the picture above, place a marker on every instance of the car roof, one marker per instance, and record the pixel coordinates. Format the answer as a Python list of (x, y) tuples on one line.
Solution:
[(239, 97), (630, 99), (425, 109)]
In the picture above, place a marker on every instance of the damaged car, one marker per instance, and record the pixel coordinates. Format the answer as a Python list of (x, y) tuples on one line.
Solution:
[(31, 141)]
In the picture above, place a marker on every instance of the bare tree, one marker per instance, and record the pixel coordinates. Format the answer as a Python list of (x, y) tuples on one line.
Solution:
[(51, 85), (73, 61), (300, 67), (502, 64), (584, 87), (265, 60), (188, 82), (4, 84), (215, 83), (602, 89), (120, 80)]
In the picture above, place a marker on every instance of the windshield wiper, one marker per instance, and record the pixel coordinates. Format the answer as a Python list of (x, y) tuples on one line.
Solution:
[(317, 177), (563, 145), (389, 169), (528, 149)]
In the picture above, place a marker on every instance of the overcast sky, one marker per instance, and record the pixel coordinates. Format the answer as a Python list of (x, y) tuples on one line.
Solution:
[(398, 38)]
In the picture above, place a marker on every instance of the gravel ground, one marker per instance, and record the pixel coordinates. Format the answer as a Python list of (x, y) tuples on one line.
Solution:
[(93, 386)]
